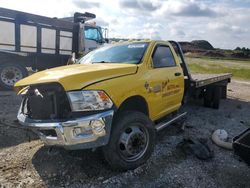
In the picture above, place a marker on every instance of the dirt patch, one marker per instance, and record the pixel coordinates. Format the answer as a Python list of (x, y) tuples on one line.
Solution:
[(213, 54), (26, 162)]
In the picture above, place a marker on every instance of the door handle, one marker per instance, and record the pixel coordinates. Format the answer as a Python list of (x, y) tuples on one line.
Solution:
[(177, 74)]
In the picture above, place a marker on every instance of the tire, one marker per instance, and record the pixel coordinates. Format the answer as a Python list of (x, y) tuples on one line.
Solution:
[(216, 97), (10, 73), (131, 142)]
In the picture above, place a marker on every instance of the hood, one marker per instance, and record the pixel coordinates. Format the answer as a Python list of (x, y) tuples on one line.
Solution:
[(73, 77)]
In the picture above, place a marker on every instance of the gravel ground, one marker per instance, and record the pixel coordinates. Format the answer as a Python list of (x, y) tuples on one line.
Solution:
[(26, 162)]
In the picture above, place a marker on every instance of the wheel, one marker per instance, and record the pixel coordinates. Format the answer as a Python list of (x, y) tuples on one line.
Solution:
[(132, 141), (10, 74), (216, 97), (208, 97)]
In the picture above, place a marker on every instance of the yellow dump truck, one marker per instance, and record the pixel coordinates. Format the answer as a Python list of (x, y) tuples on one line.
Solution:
[(115, 97)]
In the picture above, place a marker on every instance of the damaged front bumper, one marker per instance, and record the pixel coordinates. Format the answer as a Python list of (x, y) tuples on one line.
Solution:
[(87, 132)]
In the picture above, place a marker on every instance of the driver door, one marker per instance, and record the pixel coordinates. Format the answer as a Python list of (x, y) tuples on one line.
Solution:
[(166, 81)]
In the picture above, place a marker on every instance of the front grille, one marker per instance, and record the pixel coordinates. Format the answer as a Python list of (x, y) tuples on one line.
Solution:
[(46, 102)]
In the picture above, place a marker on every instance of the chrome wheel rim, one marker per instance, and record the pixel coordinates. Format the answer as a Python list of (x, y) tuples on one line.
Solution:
[(133, 143), (10, 75)]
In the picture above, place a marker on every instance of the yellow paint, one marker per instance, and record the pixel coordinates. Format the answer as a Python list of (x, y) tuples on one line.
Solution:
[(73, 77), (121, 81)]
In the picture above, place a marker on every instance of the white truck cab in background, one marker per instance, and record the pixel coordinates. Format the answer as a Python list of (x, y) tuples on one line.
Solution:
[(39, 42)]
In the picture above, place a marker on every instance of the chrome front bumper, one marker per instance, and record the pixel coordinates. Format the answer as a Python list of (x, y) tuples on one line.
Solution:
[(82, 133)]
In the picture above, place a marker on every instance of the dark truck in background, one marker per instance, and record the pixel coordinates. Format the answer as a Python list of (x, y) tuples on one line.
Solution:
[(39, 42)]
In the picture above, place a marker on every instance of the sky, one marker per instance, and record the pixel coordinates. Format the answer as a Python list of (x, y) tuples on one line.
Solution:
[(224, 23)]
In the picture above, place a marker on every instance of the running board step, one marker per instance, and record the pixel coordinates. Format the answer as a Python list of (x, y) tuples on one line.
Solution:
[(164, 124)]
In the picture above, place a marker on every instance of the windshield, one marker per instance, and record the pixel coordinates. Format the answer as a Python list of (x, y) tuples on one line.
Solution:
[(92, 33), (131, 53)]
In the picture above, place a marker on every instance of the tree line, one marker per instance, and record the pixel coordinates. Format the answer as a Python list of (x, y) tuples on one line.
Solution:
[(244, 50)]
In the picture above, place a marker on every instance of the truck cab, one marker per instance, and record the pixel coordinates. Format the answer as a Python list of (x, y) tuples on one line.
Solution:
[(115, 97), (93, 37)]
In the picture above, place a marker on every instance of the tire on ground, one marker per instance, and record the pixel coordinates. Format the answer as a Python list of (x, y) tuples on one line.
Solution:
[(15, 72), (113, 151)]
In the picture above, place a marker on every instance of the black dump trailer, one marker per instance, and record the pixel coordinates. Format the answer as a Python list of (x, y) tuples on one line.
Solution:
[(39, 42)]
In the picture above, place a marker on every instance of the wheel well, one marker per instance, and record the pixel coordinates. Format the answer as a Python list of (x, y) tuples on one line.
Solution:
[(135, 103)]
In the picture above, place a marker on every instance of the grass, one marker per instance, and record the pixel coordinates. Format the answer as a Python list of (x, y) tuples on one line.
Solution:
[(219, 61), (227, 53), (236, 60), (238, 68), (242, 60)]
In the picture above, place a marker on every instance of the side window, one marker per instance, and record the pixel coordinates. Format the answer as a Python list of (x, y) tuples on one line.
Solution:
[(92, 33), (163, 57)]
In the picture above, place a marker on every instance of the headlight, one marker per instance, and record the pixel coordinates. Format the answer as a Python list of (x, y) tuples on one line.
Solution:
[(89, 100)]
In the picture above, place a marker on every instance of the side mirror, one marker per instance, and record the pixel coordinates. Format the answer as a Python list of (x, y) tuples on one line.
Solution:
[(72, 59)]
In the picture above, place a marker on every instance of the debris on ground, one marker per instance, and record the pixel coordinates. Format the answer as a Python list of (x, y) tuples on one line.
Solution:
[(197, 147), (220, 138), (241, 145)]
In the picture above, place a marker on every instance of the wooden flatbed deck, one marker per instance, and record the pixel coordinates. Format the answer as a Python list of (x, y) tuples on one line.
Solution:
[(199, 80)]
